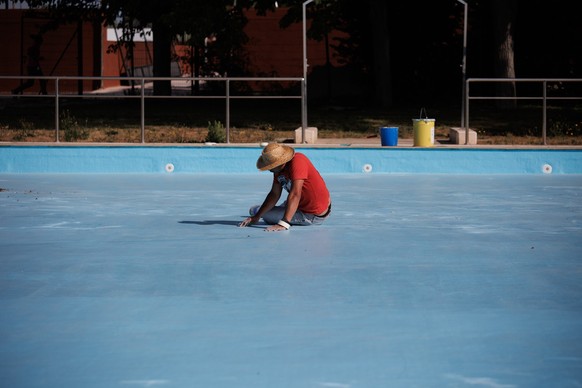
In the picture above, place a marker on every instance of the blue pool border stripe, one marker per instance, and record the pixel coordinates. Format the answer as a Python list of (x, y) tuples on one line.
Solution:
[(195, 159)]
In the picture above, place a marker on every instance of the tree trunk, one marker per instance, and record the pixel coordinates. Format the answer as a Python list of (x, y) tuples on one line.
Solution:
[(162, 59), (504, 16), (381, 53)]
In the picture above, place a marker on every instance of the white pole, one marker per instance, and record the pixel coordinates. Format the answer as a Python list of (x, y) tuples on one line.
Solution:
[(464, 69), (304, 99)]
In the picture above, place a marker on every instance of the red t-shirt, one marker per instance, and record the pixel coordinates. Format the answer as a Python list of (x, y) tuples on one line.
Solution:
[(314, 194)]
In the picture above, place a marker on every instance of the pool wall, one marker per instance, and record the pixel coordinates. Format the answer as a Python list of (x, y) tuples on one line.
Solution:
[(219, 159)]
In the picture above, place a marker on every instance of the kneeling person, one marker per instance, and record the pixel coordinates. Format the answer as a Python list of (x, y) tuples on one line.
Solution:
[(308, 202)]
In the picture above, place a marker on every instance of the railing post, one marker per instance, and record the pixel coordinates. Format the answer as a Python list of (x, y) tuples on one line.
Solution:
[(142, 113), (466, 112), (544, 128), (464, 63), (305, 65), (227, 111), (303, 110), (57, 119)]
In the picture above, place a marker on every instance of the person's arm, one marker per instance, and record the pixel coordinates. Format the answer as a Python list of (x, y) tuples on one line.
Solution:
[(269, 202), (292, 205)]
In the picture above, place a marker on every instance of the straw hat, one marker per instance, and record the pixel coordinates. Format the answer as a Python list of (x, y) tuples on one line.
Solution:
[(274, 155)]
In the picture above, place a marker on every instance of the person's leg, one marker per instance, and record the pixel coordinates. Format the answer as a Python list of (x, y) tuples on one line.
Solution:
[(299, 218), (274, 215)]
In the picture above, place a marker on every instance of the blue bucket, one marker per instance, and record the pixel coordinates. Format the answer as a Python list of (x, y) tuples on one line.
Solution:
[(389, 136)]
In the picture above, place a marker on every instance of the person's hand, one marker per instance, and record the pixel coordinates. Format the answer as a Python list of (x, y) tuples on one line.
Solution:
[(275, 228), (247, 221)]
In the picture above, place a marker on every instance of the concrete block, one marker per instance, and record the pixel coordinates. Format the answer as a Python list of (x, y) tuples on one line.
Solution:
[(457, 136), (310, 135)]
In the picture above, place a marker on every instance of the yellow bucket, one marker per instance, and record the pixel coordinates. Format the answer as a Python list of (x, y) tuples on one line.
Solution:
[(423, 129)]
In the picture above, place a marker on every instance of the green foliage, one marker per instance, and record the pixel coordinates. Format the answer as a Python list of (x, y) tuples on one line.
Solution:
[(216, 132), (71, 128)]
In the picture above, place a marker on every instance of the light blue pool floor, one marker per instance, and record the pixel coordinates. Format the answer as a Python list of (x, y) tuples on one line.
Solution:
[(414, 281)]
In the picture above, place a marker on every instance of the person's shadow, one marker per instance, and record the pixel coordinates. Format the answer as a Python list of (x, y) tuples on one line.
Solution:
[(211, 222), (216, 222)]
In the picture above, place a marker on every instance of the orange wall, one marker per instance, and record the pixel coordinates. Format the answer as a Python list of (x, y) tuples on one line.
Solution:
[(278, 52), (59, 49)]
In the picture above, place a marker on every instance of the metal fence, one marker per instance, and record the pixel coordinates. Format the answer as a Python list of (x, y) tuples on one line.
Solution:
[(139, 86), (539, 95), (139, 83)]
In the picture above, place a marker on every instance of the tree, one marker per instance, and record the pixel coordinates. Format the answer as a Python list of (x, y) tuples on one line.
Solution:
[(365, 48), (504, 12), (197, 19), (403, 51)]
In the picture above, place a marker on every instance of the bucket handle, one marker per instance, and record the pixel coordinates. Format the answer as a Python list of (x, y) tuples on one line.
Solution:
[(425, 115)]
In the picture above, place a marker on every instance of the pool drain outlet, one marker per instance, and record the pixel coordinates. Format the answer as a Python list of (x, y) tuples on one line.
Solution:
[(547, 168)]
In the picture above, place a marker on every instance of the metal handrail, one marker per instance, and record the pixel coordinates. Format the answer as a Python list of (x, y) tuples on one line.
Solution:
[(141, 83), (544, 97)]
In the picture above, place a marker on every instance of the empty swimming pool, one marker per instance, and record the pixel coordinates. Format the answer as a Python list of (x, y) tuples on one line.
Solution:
[(415, 280)]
